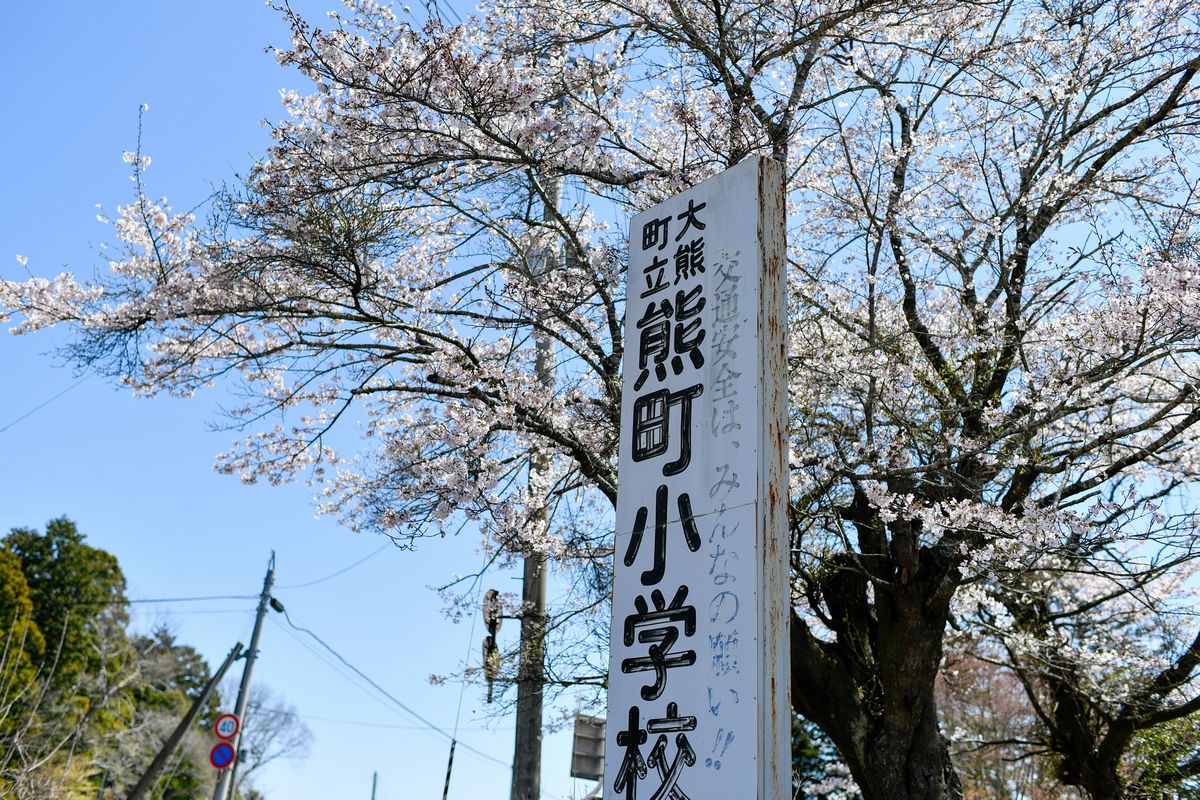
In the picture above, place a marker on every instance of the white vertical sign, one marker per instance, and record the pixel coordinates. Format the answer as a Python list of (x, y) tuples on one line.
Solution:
[(698, 705)]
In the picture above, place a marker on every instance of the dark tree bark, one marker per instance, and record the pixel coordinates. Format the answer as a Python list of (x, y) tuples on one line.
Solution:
[(871, 689), (1092, 736)]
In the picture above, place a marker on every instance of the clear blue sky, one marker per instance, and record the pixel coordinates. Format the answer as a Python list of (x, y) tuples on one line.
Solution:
[(136, 475)]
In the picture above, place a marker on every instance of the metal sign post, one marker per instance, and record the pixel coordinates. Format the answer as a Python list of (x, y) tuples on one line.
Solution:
[(698, 703)]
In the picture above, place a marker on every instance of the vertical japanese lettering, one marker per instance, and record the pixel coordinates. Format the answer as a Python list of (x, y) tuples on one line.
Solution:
[(690, 219), (684, 670), (659, 627), (652, 426), (687, 520)]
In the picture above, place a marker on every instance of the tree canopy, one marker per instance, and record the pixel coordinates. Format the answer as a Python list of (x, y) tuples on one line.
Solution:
[(86, 709), (77, 593), (993, 280), (24, 644)]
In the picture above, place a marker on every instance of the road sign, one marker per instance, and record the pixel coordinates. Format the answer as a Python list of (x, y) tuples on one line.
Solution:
[(226, 726), (222, 755)]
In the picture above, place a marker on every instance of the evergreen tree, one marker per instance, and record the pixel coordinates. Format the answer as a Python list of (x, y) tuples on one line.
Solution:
[(78, 596)]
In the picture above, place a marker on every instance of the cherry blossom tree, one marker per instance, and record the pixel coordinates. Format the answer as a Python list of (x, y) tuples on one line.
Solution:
[(1105, 652), (995, 745), (995, 329), (994, 295)]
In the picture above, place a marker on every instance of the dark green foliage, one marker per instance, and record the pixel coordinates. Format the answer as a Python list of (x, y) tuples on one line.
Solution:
[(83, 704), (21, 641), (78, 595), (69, 666), (22, 648), (174, 674)]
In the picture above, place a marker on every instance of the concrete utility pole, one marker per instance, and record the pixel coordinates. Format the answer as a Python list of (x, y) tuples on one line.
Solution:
[(160, 760), (527, 754), (449, 768), (224, 787)]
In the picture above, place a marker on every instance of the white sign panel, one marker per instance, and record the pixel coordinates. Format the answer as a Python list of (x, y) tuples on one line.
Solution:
[(698, 705)]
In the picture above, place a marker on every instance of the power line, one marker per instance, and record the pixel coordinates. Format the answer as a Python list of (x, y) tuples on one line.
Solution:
[(427, 727), (341, 571), (389, 695), (341, 671), (358, 723), (193, 599), (191, 612), (124, 601), (433, 9), (462, 689), (198, 598), (348, 676), (45, 403)]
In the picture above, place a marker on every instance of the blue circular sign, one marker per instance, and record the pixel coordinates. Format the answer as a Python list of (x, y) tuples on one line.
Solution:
[(222, 755)]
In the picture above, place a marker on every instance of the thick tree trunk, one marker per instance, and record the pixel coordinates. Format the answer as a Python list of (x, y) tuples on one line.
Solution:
[(1090, 759), (872, 689), (1102, 783)]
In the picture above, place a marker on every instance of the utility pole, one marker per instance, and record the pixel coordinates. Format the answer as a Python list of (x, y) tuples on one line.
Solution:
[(160, 760), (527, 755), (449, 768), (374, 784), (224, 787)]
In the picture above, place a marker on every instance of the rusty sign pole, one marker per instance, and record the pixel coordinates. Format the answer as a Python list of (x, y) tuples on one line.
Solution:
[(699, 704), (775, 715)]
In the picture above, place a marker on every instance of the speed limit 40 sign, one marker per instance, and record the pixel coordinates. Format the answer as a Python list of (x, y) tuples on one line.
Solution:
[(226, 726)]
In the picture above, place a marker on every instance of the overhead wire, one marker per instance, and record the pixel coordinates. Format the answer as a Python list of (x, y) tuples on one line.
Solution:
[(46, 402), (193, 599), (191, 612), (341, 571), (349, 677), (389, 695), (462, 688), (124, 601), (359, 723)]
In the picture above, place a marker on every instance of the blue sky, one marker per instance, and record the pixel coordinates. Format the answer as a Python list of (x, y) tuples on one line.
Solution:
[(136, 475)]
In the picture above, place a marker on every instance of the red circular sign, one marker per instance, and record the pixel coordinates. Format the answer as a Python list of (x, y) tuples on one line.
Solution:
[(222, 755), (226, 726)]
